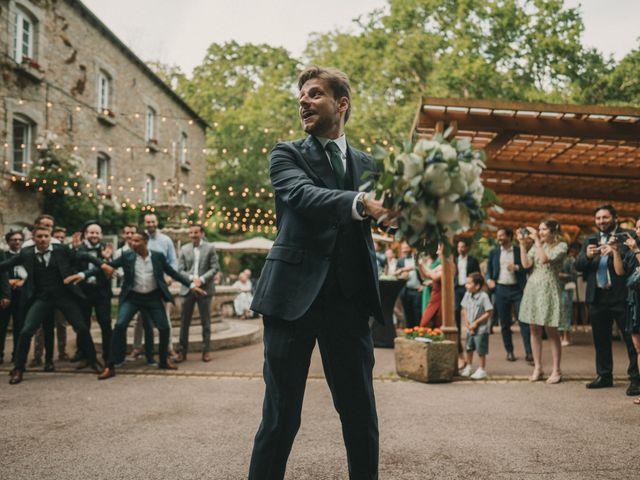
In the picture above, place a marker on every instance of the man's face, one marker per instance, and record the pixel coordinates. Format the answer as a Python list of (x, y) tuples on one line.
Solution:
[(93, 234), (42, 239), (462, 249), (319, 111), (195, 235), (138, 244), (151, 223), (604, 220), (59, 235), (45, 222), (127, 233), (503, 239), (15, 242)]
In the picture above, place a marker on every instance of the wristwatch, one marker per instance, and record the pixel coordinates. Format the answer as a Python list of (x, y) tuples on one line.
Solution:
[(361, 208)]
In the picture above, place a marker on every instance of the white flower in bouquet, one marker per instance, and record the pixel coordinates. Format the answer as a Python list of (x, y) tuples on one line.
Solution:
[(413, 165), (423, 146), (436, 179), (477, 190), (459, 185), (448, 152), (419, 216)]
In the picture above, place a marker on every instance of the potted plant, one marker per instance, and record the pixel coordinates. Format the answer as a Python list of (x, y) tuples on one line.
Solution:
[(424, 355)]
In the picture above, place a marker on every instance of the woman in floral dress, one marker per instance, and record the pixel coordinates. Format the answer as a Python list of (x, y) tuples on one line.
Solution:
[(541, 305)]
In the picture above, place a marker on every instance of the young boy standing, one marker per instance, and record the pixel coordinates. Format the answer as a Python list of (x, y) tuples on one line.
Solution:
[(476, 312)]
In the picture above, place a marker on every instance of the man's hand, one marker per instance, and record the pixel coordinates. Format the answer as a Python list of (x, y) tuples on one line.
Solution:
[(630, 243), (198, 291), (491, 284), (606, 250), (107, 270), (374, 209), (512, 267), (107, 251), (197, 281), (4, 302), (168, 280), (73, 279), (592, 250), (76, 240), (16, 283)]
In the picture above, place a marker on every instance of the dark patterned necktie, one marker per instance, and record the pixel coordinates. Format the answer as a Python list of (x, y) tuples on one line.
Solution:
[(336, 162)]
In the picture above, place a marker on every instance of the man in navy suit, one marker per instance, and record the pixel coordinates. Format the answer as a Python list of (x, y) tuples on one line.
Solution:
[(319, 282), (507, 277), (144, 289)]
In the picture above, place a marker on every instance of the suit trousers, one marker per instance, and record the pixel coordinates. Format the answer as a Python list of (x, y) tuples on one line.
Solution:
[(602, 314), (144, 327), (149, 304), (508, 296), (459, 291), (39, 311), (101, 305), (412, 305), (204, 307), (344, 337), (14, 313)]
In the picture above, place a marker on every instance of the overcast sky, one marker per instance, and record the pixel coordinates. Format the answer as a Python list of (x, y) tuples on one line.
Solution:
[(179, 31)]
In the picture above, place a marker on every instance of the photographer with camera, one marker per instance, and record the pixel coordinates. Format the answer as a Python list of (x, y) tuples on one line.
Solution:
[(629, 267), (606, 298), (541, 305)]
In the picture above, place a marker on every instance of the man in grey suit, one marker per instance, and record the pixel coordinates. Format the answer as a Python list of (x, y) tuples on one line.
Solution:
[(197, 261)]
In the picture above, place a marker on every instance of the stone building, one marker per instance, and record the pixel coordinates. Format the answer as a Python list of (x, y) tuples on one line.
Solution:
[(67, 81)]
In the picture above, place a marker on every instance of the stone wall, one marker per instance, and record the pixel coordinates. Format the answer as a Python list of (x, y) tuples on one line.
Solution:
[(73, 48)]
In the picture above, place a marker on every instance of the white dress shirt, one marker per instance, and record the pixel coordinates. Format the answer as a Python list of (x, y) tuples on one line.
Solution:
[(462, 270), (506, 277), (144, 281), (46, 255), (19, 271), (196, 261)]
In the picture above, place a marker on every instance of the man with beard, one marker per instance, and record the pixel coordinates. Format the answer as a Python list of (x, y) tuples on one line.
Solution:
[(320, 281), (98, 288), (47, 268), (606, 299)]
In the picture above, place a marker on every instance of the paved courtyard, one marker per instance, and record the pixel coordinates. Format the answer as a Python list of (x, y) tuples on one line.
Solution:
[(199, 423)]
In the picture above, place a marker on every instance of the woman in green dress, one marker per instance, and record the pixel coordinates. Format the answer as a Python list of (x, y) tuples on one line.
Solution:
[(541, 305)]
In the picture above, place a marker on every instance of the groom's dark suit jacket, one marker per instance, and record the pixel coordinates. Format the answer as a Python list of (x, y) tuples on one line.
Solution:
[(317, 235)]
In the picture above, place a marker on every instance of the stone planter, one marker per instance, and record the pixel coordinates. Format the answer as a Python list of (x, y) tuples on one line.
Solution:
[(426, 362)]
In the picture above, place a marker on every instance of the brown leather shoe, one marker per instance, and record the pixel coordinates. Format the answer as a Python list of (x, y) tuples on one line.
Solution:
[(96, 366), (168, 366), (16, 377), (181, 357), (206, 357), (107, 373)]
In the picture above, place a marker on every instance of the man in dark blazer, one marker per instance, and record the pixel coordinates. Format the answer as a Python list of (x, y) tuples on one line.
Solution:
[(507, 277), (198, 262), (144, 289), (47, 268), (319, 282), (606, 299), (465, 266), (12, 291), (98, 288)]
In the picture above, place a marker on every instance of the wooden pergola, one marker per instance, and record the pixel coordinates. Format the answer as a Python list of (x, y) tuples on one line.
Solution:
[(547, 159), (543, 160)]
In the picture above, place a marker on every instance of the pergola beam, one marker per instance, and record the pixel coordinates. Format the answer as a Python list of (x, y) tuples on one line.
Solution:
[(562, 169), (535, 191)]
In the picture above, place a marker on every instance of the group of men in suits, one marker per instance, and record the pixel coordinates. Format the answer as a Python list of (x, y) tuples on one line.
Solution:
[(46, 277)]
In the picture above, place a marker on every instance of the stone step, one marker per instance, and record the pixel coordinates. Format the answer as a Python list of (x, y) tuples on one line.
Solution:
[(225, 334)]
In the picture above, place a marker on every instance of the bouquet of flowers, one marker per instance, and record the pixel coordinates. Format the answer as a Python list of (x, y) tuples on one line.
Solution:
[(436, 187)]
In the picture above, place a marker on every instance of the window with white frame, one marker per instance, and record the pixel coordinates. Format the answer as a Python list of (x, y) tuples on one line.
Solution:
[(151, 125), (149, 189), (182, 149), (22, 134), (104, 92), (103, 171), (24, 36)]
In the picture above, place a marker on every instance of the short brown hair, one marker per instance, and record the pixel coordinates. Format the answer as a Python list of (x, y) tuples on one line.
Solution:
[(41, 229), (42, 216), (338, 81), (130, 225)]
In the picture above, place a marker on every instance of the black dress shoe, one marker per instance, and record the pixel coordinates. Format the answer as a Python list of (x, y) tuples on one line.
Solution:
[(600, 382), (511, 357), (49, 367), (16, 377), (633, 389)]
